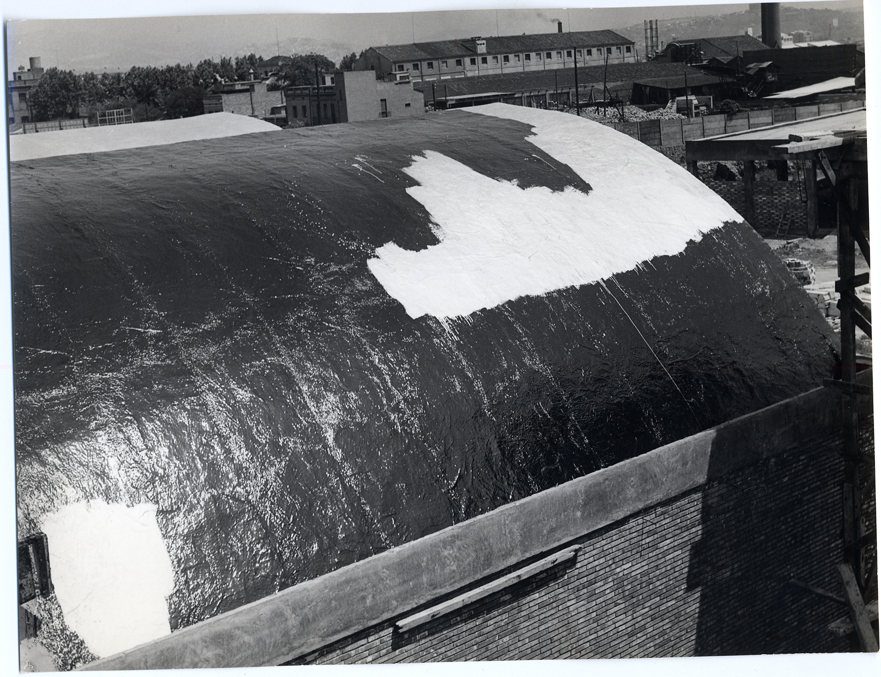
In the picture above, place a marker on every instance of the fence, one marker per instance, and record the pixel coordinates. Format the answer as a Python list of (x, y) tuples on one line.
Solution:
[(660, 133), (53, 125)]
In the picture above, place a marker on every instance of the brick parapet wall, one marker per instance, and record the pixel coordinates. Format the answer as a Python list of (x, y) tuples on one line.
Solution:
[(707, 573)]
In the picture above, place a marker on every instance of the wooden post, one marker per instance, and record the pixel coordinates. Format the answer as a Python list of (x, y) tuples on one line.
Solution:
[(783, 170), (749, 177), (846, 271), (858, 614), (812, 205)]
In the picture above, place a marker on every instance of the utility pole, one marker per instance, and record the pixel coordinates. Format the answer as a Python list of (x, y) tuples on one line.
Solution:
[(687, 108), (577, 104), (317, 98)]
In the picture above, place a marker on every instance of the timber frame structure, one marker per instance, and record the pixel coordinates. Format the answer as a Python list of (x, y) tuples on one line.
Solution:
[(836, 147), (763, 144)]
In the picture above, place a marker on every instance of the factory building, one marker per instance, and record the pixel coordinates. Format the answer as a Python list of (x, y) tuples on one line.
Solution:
[(440, 60)]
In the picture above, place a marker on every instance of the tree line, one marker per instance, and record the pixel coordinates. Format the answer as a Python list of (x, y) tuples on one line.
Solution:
[(162, 92)]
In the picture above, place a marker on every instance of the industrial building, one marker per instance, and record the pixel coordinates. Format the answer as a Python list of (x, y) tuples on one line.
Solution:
[(650, 82), (700, 50), (351, 96), (23, 80), (440, 60), (251, 98)]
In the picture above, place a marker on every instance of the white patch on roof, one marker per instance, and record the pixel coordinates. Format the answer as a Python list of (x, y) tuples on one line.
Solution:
[(111, 573), (818, 88), (137, 135), (500, 242)]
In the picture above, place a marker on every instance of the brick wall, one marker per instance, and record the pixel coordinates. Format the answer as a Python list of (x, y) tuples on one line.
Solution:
[(706, 573), (776, 202)]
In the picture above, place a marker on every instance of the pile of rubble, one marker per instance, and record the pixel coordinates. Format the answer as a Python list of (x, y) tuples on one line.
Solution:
[(631, 114)]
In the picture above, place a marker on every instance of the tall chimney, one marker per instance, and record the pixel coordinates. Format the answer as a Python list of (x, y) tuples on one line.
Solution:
[(771, 24), (559, 27)]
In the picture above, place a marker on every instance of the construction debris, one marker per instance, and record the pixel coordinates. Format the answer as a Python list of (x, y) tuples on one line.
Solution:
[(802, 270)]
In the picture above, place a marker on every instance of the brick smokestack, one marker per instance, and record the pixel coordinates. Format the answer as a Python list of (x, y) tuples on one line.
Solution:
[(771, 24)]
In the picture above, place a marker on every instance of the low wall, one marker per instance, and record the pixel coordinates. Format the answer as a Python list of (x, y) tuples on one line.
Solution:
[(686, 550), (662, 133)]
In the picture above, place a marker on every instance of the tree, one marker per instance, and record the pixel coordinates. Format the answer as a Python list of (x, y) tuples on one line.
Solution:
[(174, 77), (184, 102), (245, 64), (57, 94), (141, 84), (112, 85), (299, 69), (348, 61)]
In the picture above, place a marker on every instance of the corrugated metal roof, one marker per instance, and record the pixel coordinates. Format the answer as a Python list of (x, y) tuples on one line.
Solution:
[(511, 44)]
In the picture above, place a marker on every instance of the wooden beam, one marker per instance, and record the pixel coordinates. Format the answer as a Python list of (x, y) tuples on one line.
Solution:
[(851, 282), (844, 626), (861, 322), (826, 167), (813, 202), (798, 145), (817, 591), (858, 304), (477, 594), (858, 614)]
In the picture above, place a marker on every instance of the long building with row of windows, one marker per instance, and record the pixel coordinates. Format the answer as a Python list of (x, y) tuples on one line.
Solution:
[(445, 59)]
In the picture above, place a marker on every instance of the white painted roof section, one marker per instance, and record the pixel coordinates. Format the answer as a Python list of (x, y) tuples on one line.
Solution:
[(500, 242), (818, 88), (112, 573), (137, 135)]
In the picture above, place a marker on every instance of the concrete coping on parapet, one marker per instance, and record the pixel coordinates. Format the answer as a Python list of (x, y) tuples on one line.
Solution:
[(394, 584)]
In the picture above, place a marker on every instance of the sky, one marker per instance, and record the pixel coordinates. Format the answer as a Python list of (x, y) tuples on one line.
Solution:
[(85, 44)]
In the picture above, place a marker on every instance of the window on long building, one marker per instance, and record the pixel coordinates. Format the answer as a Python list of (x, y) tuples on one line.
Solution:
[(459, 62), (495, 59), (473, 61), (506, 59), (400, 67), (431, 65), (548, 55), (443, 64), (568, 53), (627, 49), (538, 56), (560, 55), (415, 66), (527, 57), (483, 60), (589, 52)]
